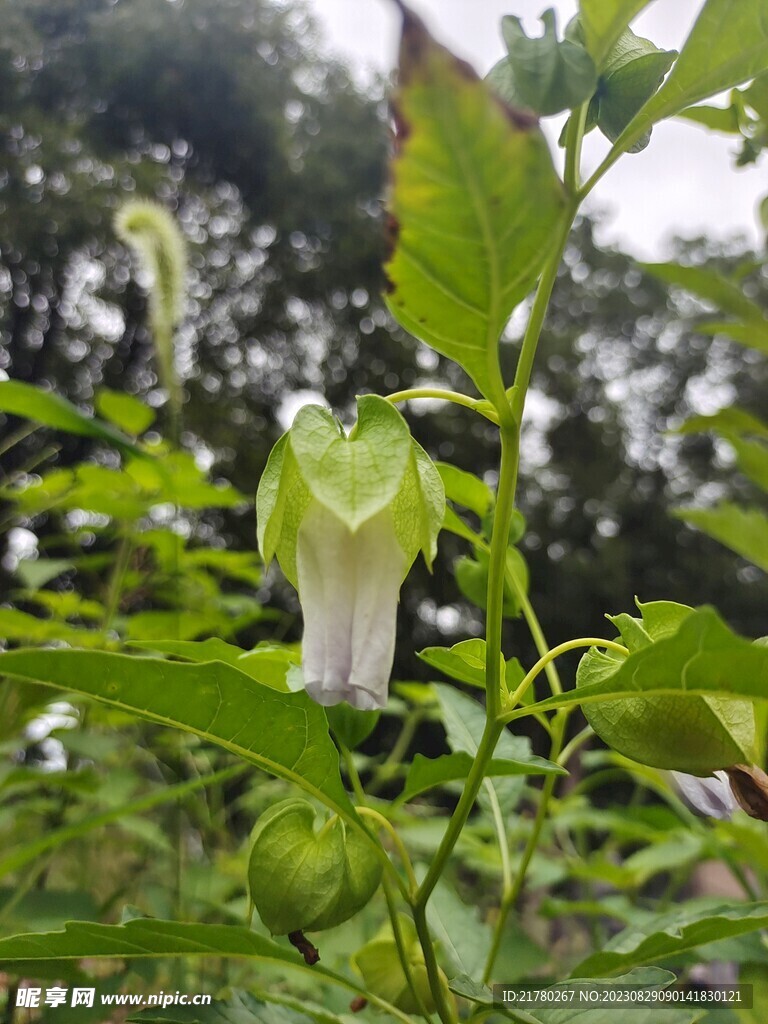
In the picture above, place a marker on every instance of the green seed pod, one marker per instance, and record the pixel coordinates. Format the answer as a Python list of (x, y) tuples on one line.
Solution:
[(300, 879)]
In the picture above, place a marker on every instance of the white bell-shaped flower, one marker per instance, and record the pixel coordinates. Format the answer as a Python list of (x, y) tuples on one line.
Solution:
[(710, 796), (348, 588), (346, 515)]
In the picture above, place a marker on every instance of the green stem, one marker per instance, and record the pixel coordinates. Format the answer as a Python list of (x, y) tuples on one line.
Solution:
[(459, 817), (573, 140), (445, 1011), (541, 664), (352, 772), (402, 952), (393, 763), (444, 395), (537, 633), (382, 822), (505, 503), (578, 741), (512, 896), (381, 853), (115, 589), (391, 831), (538, 314)]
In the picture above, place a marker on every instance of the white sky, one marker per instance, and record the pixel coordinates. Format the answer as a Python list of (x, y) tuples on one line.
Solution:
[(684, 183)]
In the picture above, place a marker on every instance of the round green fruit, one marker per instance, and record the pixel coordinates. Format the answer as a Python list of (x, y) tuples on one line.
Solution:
[(306, 880)]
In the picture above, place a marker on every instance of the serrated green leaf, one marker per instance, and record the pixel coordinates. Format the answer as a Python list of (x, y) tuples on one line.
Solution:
[(474, 202), (146, 938), (743, 530), (666, 732), (671, 934), (284, 734), (728, 44), (425, 772), (51, 410), (125, 411), (695, 736), (603, 21)]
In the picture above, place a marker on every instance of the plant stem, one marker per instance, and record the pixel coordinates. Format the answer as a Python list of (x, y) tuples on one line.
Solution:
[(444, 1009), (497, 568), (352, 772), (444, 395), (573, 140), (399, 844), (512, 896), (393, 763), (459, 817), (357, 789), (537, 633), (541, 664), (402, 952), (115, 589), (578, 740), (382, 822), (538, 314)]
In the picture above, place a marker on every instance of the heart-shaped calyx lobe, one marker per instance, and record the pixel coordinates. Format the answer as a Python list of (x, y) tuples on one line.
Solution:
[(301, 879)]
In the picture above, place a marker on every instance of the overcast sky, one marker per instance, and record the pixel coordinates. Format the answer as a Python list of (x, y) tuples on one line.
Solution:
[(683, 183)]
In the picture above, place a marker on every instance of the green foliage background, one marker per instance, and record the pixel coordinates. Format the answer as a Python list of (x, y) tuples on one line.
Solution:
[(272, 160)]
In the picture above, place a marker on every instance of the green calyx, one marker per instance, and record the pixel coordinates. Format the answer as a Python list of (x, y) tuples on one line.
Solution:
[(633, 71), (378, 466), (306, 880), (545, 75), (693, 734)]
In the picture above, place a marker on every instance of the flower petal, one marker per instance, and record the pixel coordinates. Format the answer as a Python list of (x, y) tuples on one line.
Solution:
[(348, 588), (711, 796)]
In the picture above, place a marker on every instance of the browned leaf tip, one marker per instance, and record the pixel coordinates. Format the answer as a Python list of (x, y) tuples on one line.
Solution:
[(749, 785), (415, 43), (305, 947), (358, 1003)]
